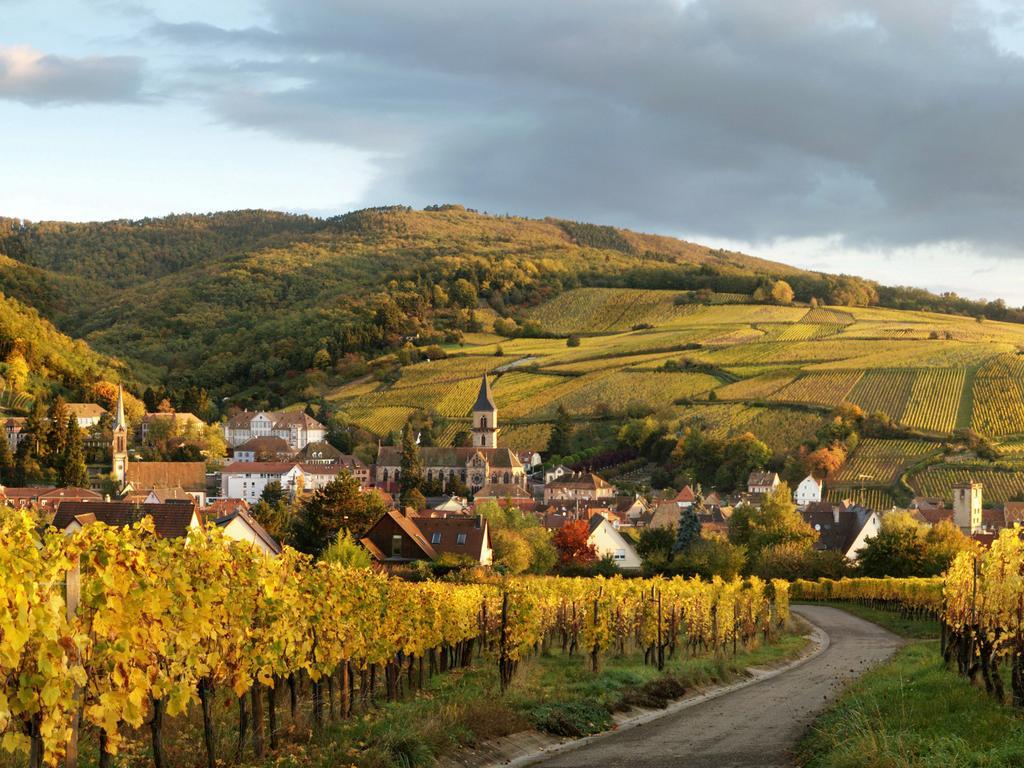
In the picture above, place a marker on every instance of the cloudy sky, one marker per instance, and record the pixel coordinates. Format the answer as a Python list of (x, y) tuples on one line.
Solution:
[(879, 138)]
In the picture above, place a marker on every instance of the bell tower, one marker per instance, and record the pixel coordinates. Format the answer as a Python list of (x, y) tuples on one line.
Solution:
[(119, 442), (485, 418)]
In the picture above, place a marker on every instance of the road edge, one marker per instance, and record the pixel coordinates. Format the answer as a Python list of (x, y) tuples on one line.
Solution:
[(819, 643)]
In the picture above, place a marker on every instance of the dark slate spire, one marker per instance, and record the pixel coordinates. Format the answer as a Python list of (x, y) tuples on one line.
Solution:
[(484, 401)]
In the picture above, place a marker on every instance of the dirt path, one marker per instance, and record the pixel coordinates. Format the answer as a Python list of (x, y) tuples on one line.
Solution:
[(752, 727)]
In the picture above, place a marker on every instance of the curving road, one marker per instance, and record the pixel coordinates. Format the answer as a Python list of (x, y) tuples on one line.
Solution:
[(752, 727)]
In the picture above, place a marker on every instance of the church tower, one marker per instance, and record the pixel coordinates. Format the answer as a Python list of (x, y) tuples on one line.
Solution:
[(119, 444), (967, 506), (485, 418)]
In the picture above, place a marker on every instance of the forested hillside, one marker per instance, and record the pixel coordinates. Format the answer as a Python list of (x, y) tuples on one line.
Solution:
[(267, 309)]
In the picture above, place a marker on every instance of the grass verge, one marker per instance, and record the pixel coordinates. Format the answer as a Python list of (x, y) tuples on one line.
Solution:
[(912, 712)]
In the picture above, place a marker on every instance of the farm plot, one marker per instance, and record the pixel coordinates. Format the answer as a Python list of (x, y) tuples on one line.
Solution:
[(827, 316), (523, 387), (647, 359), (830, 388), (877, 499), (821, 352), (614, 391), (926, 353), (783, 429), (381, 420), (937, 480), (804, 331), (935, 400), (525, 437), (600, 310), (884, 390), (720, 419), (880, 462), (997, 398), (757, 388)]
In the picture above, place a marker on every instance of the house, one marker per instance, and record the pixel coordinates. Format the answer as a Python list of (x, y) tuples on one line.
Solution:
[(608, 542), (218, 507), (448, 505), (87, 415), (240, 525), (632, 508), (582, 486), (762, 482), (809, 491), (554, 473), (320, 452), (354, 465), (475, 466), (510, 493), (398, 538), (1013, 513), (247, 479), (665, 515), (841, 528), (45, 496), (531, 461), (685, 497), (169, 520), (14, 426), (267, 448), (296, 428), (145, 476)]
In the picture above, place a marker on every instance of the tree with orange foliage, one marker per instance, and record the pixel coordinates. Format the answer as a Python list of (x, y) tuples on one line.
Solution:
[(105, 393), (825, 461), (572, 544)]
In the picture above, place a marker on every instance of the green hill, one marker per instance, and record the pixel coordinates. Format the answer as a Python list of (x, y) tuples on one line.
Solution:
[(383, 314)]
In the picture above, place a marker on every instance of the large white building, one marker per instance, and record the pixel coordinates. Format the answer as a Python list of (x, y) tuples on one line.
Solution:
[(296, 428), (809, 491), (247, 479)]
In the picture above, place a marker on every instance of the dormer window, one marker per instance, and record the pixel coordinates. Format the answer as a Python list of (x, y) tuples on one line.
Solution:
[(435, 537), (460, 539)]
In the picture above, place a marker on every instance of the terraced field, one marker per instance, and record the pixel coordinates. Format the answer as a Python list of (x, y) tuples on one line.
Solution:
[(764, 364), (999, 485), (880, 462)]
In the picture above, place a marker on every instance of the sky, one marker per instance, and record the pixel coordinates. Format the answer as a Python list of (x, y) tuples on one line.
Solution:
[(878, 138)]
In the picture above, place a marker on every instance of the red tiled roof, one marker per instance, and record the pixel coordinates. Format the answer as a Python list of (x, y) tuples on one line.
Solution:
[(169, 520), (190, 475)]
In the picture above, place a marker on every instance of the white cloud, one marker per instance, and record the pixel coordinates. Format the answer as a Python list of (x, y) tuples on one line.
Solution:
[(37, 78)]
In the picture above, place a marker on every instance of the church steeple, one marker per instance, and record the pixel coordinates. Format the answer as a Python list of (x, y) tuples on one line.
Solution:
[(485, 417), (119, 441)]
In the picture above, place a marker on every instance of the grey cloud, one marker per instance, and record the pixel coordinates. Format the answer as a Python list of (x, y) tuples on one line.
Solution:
[(35, 78), (890, 123)]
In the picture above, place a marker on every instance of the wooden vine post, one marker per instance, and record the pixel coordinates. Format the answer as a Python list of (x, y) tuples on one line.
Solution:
[(72, 598)]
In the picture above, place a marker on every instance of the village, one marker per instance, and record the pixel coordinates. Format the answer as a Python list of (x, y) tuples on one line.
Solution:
[(285, 457)]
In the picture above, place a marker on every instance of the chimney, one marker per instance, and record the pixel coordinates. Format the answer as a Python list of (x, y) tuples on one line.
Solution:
[(835, 515)]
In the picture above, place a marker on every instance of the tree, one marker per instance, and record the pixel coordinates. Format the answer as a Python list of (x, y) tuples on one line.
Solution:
[(943, 542), (688, 530), (899, 549), (572, 544), (572, 341), (17, 372), (825, 461), (511, 551), (6, 462), (560, 442), (781, 292), (777, 521), (72, 472), (339, 505), (411, 477), (656, 543), (273, 493), (346, 551), (740, 456), (711, 557)]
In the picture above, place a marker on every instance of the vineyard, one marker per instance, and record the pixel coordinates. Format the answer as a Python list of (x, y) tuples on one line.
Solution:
[(930, 373), (133, 630), (1001, 485), (979, 603), (880, 462)]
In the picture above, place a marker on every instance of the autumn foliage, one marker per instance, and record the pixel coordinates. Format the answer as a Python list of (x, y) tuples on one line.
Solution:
[(572, 544)]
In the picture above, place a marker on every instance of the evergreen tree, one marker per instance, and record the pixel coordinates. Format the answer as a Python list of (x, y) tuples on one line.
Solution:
[(27, 469), (38, 431), (338, 506), (57, 436), (6, 462), (560, 442), (688, 532), (72, 467), (411, 477)]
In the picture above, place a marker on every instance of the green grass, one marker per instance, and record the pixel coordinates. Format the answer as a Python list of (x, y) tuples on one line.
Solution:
[(913, 629), (914, 713)]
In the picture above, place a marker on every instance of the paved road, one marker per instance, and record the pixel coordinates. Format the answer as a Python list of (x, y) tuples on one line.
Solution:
[(753, 727)]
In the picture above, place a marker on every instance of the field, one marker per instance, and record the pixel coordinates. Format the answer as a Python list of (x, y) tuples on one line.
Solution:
[(999, 485), (880, 462), (775, 371)]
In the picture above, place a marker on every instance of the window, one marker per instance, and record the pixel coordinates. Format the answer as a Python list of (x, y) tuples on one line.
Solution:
[(483, 422), (435, 537), (620, 554), (396, 545), (460, 539)]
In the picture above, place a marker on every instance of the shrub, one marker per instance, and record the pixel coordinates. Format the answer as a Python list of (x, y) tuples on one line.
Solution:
[(573, 719)]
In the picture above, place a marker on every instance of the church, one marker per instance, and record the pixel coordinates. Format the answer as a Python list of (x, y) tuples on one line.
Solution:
[(479, 464)]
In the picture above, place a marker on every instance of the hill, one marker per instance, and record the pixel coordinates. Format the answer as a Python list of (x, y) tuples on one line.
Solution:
[(383, 314)]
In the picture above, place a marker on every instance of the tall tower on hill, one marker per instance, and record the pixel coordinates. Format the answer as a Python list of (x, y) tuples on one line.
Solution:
[(967, 506), (485, 418), (119, 443)]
